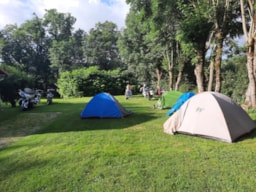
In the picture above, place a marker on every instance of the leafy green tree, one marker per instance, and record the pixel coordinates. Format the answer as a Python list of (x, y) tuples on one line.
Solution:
[(26, 47), (11, 49), (10, 85), (59, 25), (248, 15), (225, 15), (134, 45), (149, 45), (37, 62), (100, 46), (68, 54), (77, 55), (235, 79), (194, 32), (164, 23), (60, 55)]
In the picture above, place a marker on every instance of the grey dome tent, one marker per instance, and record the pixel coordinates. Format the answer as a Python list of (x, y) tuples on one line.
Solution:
[(211, 115)]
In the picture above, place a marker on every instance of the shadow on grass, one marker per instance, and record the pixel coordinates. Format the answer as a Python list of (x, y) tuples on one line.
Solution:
[(248, 136), (69, 119), (13, 165)]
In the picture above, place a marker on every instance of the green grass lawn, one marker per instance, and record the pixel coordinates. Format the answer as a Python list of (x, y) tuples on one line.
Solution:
[(49, 148)]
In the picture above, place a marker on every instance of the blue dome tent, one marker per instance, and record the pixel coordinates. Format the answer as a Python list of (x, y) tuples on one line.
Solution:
[(182, 99), (104, 105)]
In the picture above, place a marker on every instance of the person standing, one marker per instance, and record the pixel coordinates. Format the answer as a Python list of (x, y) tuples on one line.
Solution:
[(143, 89), (158, 90), (128, 91)]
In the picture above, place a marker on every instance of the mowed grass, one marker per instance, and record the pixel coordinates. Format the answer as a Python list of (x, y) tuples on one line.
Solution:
[(49, 148)]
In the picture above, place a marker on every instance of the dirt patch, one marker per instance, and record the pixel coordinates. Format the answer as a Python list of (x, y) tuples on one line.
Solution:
[(25, 124)]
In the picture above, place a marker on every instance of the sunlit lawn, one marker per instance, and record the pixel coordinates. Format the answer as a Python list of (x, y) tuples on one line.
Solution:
[(49, 148)]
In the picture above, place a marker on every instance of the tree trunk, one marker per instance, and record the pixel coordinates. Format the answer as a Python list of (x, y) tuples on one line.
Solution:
[(199, 71), (217, 64), (211, 74), (170, 70), (251, 91), (178, 81), (159, 76), (251, 45)]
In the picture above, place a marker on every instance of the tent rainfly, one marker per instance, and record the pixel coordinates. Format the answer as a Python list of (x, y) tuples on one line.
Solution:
[(211, 115), (168, 99), (104, 105), (182, 99)]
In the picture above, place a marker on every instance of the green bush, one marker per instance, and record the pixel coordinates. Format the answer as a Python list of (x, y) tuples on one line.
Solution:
[(234, 79), (12, 83), (90, 81)]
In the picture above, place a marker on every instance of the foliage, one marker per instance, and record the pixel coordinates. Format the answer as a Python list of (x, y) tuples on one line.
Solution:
[(133, 43), (59, 25), (89, 81), (100, 46), (26, 48), (161, 42), (186, 86), (235, 79), (60, 55), (10, 85)]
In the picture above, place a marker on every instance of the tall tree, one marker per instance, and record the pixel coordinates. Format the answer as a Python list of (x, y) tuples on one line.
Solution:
[(60, 53), (133, 48), (26, 47), (37, 46), (164, 23), (77, 56), (59, 25), (225, 16), (150, 38), (10, 49), (248, 10), (68, 54), (100, 46), (194, 32)]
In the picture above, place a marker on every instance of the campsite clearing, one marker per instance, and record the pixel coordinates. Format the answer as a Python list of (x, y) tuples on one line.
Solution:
[(128, 154)]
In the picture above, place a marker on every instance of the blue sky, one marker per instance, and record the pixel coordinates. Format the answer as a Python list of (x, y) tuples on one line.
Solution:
[(108, 2), (87, 12)]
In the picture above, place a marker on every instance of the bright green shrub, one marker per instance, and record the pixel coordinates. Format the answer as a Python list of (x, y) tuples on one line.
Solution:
[(15, 80), (234, 79), (90, 81)]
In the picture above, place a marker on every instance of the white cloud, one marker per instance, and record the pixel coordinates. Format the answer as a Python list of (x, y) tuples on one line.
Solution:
[(87, 12)]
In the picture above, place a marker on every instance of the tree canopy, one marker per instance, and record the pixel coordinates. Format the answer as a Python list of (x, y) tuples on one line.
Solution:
[(169, 44)]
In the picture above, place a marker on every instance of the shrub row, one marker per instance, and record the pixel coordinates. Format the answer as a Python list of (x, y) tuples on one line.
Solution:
[(90, 81)]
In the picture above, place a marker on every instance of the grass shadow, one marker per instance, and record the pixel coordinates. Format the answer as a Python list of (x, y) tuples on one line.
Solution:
[(70, 120), (64, 116), (247, 136)]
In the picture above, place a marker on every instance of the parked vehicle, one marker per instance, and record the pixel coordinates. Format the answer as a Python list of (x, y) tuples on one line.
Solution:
[(49, 96), (29, 98)]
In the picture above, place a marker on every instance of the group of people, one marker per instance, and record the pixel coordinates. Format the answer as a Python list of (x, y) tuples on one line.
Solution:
[(146, 92)]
